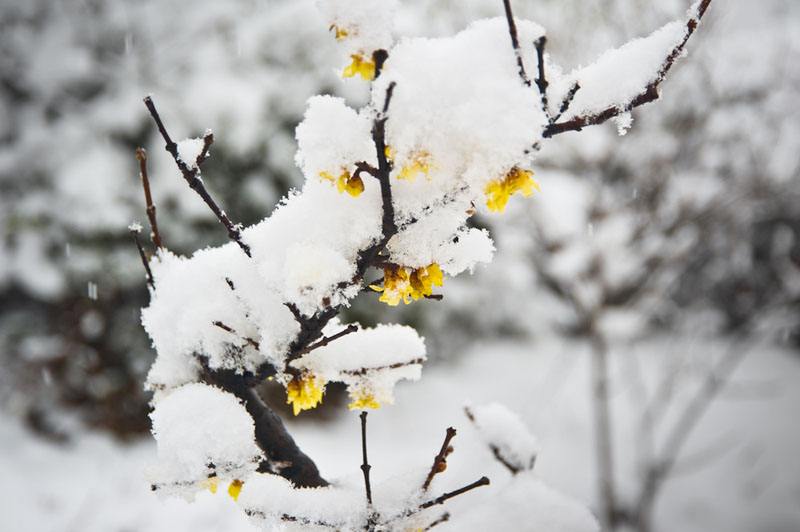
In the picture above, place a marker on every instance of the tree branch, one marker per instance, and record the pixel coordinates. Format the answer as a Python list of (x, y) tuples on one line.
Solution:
[(541, 80), (365, 467), (441, 499), (231, 330), (440, 460), (155, 236), (143, 256), (650, 93), (328, 339), (284, 457), (191, 175), (441, 519), (512, 31)]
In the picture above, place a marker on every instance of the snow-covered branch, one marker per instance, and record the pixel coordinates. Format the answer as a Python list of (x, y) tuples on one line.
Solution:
[(449, 129)]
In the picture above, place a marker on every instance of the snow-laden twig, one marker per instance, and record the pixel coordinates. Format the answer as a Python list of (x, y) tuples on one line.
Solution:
[(650, 92), (192, 175)]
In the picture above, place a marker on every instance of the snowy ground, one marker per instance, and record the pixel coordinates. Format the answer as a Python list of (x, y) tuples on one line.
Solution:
[(753, 484)]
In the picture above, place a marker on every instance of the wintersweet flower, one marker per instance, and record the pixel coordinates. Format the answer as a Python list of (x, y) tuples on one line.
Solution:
[(235, 489), (499, 191), (360, 66), (396, 286), (424, 279), (353, 185), (420, 164), (362, 400), (400, 284), (304, 393), (210, 484)]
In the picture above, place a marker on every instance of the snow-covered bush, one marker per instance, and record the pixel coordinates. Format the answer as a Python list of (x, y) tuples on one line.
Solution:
[(452, 127)]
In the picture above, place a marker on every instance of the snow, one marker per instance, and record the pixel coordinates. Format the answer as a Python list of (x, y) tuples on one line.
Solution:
[(370, 361), (306, 250), (530, 501), (189, 150), (550, 390), (201, 432), (332, 137), (363, 26), (503, 430), (620, 75), (269, 497), (469, 82)]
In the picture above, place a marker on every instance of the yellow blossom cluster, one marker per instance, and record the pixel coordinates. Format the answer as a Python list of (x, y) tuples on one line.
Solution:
[(420, 164), (499, 191), (362, 399), (304, 393), (351, 184), (404, 284), (360, 66), (212, 484)]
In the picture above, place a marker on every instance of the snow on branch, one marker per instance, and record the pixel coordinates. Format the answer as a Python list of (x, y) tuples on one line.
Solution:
[(626, 77), (191, 172), (506, 435), (451, 129)]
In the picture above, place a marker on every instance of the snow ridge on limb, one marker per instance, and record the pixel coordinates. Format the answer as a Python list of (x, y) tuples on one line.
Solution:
[(627, 77)]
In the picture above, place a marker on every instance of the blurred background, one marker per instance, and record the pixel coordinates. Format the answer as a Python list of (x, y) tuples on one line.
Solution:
[(662, 266)]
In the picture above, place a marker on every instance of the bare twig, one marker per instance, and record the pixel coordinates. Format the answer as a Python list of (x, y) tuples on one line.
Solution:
[(295, 312), (441, 499), (364, 371), (441, 519), (512, 31), (155, 236), (440, 460), (328, 339), (384, 168), (365, 467), (250, 512), (541, 79), (567, 101), (191, 175), (649, 94), (229, 329), (143, 256), (208, 140)]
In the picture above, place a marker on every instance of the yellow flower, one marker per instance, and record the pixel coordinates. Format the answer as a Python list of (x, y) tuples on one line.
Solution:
[(499, 191), (396, 286), (387, 151), (235, 489), (400, 284), (353, 185), (420, 164), (362, 399), (424, 279), (304, 393), (210, 484), (339, 33), (360, 66)]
